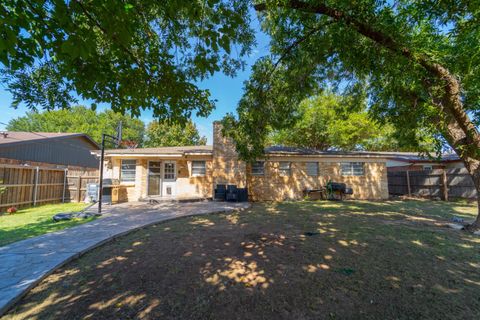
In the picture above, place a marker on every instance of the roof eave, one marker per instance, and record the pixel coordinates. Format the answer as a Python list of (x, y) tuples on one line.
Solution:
[(325, 155)]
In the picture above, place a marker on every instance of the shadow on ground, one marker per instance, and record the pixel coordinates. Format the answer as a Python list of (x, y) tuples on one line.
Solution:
[(305, 260)]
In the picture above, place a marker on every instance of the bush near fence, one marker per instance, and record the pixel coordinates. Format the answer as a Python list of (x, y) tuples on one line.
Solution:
[(27, 185), (439, 183)]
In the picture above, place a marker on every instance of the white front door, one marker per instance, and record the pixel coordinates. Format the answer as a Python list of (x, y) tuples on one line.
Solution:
[(169, 179)]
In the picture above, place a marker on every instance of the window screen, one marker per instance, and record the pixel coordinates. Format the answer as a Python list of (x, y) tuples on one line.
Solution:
[(312, 169), (127, 170), (284, 168), (352, 169), (199, 168), (258, 168)]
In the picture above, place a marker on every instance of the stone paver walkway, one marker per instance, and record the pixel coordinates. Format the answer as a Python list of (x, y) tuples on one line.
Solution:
[(23, 264)]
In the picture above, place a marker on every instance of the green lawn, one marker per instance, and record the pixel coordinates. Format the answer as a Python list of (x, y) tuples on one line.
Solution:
[(31, 222), (292, 260)]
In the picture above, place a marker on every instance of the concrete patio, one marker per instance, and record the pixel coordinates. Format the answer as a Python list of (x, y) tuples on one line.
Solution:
[(24, 263)]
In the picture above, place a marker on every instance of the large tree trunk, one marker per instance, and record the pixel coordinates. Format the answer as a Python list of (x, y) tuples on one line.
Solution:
[(456, 126), (474, 171)]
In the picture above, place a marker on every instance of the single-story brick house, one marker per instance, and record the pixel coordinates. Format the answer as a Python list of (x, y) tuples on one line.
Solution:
[(284, 173)]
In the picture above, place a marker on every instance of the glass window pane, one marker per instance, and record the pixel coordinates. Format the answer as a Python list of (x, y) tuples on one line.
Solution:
[(258, 168), (127, 170), (352, 169), (312, 168), (154, 167), (199, 168), (346, 169), (169, 170), (284, 168)]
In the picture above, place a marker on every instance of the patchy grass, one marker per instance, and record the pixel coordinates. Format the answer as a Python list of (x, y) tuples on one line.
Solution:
[(304, 260), (31, 222)]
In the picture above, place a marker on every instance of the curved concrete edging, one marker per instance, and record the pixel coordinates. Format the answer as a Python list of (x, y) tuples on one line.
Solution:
[(13, 292)]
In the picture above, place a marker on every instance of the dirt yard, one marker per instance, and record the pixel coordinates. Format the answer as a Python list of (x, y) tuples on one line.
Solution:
[(304, 260)]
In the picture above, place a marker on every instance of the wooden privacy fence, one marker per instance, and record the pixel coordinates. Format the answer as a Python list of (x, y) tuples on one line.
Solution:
[(25, 186), (439, 183)]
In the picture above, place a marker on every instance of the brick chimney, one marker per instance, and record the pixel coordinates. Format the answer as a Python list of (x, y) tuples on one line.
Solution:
[(227, 168)]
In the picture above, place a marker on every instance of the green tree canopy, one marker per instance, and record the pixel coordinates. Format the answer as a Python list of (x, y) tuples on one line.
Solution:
[(418, 62), (329, 121), (82, 120), (168, 134), (133, 55)]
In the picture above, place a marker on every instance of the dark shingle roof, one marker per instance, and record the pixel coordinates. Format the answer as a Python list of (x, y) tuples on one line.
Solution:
[(401, 156), (283, 150), (16, 137)]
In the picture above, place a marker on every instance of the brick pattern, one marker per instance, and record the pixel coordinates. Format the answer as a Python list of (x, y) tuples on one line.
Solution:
[(272, 186), (226, 168), (186, 184)]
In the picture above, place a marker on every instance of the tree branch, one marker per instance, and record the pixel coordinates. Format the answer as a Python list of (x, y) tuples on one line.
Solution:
[(295, 44), (451, 100), (112, 36)]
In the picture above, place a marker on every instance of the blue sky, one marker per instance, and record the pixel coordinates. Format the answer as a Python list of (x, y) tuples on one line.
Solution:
[(226, 90)]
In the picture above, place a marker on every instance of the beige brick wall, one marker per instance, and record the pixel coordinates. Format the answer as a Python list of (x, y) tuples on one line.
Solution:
[(186, 184), (272, 186), (227, 168)]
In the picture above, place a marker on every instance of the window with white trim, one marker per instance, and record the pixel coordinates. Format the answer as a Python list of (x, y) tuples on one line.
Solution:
[(428, 167), (199, 168), (312, 169), (168, 170), (127, 170), (284, 168), (352, 168), (258, 168)]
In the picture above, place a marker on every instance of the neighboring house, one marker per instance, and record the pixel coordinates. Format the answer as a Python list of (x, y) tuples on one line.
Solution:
[(188, 172), (403, 161), (72, 150)]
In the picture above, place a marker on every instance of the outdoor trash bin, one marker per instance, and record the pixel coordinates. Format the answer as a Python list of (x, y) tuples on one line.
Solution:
[(220, 192), (242, 194)]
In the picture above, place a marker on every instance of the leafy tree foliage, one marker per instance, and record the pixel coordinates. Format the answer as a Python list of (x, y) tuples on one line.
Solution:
[(80, 119), (330, 121), (169, 134), (133, 55), (418, 61)]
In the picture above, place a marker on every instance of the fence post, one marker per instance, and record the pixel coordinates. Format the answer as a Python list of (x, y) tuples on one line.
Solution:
[(65, 173), (35, 186), (409, 190), (445, 185), (79, 187)]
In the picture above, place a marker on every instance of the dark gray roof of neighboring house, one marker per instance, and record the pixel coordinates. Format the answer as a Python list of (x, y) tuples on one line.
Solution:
[(162, 150), (415, 157), (9, 138)]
